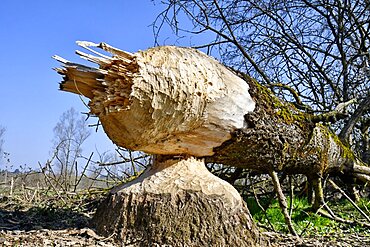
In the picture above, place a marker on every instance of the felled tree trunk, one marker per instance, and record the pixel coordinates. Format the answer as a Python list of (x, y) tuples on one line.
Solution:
[(177, 202), (178, 102), (278, 137)]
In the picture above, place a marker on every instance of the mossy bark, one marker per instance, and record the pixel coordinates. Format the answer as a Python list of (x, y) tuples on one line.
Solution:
[(178, 204), (279, 137)]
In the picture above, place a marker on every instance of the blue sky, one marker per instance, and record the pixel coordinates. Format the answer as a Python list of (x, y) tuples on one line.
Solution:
[(30, 33)]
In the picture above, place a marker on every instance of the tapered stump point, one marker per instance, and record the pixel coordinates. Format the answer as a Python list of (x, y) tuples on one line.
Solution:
[(177, 202)]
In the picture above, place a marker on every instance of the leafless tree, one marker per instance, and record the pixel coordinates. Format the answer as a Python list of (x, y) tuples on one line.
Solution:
[(69, 134)]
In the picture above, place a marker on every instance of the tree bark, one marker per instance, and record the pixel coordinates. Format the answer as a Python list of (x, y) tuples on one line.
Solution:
[(278, 137), (177, 202)]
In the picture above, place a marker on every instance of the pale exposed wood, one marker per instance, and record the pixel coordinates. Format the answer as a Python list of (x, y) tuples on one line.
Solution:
[(175, 175), (165, 100), (172, 101), (87, 45)]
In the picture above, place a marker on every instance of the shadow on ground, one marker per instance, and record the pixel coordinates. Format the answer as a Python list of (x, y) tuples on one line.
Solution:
[(37, 218), (14, 216)]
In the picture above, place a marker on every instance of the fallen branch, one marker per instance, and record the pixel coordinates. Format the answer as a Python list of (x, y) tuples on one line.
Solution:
[(364, 178), (349, 199), (282, 202), (52, 185), (361, 169), (291, 195), (337, 114), (341, 220)]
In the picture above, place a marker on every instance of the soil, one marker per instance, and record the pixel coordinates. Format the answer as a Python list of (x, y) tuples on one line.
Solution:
[(47, 225)]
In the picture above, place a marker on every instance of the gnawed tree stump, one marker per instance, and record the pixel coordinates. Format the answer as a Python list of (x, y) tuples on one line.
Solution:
[(179, 102), (172, 102), (177, 202)]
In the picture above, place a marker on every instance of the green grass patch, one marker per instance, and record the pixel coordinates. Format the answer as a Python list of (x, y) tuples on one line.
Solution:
[(305, 221)]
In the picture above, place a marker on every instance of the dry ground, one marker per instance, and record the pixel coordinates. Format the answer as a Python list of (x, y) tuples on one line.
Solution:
[(46, 224), (87, 237)]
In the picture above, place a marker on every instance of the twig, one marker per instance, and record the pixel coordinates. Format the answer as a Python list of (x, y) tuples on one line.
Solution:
[(83, 172), (33, 195), (349, 199), (325, 205), (51, 184), (341, 220), (362, 169), (291, 192), (367, 210), (293, 92), (350, 125), (132, 163), (364, 178), (11, 187), (282, 202), (306, 227)]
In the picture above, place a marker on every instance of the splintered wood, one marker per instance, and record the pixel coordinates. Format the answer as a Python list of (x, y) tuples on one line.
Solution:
[(165, 100)]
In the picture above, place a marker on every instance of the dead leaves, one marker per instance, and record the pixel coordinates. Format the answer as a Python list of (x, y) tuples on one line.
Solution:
[(46, 237)]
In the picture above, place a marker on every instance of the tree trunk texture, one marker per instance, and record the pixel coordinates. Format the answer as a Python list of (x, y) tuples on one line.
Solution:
[(174, 101), (180, 102), (278, 137), (177, 202)]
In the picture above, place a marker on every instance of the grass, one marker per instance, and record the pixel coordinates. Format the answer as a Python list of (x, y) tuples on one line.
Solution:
[(307, 222)]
